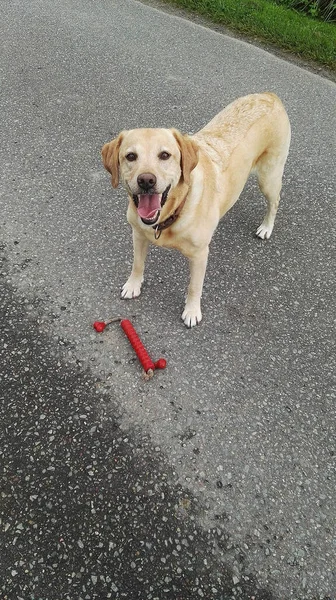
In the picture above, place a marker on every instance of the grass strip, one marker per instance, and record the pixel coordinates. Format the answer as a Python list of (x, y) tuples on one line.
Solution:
[(269, 22)]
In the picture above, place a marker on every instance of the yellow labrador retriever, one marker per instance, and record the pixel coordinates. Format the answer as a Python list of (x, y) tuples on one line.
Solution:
[(179, 186)]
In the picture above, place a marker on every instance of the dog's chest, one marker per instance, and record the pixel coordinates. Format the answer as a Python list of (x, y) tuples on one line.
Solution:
[(168, 238), (164, 239)]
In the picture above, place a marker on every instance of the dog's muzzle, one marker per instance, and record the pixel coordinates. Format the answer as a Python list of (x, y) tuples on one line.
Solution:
[(149, 205)]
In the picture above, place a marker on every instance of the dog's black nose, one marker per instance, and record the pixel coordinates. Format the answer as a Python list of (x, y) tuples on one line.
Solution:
[(146, 181)]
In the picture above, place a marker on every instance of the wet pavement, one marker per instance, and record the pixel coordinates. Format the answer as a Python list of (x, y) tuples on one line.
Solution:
[(89, 510)]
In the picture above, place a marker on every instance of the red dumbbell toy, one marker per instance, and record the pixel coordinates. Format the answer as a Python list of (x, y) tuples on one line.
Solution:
[(140, 350)]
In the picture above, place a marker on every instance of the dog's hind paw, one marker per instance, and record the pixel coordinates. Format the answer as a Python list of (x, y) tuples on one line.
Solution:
[(191, 316), (131, 289), (264, 231)]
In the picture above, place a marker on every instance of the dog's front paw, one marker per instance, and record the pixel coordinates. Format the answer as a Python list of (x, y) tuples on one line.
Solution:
[(132, 288), (192, 316)]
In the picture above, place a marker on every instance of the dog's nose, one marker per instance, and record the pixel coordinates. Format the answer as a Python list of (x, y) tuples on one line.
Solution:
[(146, 181)]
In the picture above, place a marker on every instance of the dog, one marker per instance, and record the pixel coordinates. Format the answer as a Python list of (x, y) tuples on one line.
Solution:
[(180, 186)]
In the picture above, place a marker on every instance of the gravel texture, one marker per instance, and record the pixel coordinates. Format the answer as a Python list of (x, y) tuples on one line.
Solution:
[(239, 432), (89, 510)]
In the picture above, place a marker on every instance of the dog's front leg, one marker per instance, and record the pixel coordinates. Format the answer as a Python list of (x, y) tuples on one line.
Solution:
[(132, 287), (192, 314)]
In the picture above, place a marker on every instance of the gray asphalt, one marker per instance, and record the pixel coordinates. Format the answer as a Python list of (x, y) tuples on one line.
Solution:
[(226, 487)]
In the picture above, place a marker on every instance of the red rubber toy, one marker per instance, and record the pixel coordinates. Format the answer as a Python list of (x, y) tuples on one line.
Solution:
[(137, 345)]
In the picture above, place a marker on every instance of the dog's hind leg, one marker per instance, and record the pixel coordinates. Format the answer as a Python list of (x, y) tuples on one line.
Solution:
[(269, 172), (269, 168)]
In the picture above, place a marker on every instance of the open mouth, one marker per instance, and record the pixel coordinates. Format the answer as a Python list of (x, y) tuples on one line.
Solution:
[(149, 205)]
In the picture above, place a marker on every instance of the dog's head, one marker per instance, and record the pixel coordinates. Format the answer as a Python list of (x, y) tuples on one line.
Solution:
[(151, 163)]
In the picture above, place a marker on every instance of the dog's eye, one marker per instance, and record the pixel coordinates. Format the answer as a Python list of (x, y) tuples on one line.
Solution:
[(131, 157), (164, 155)]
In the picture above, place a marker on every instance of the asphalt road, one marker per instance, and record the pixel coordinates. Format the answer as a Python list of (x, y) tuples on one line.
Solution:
[(215, 479)]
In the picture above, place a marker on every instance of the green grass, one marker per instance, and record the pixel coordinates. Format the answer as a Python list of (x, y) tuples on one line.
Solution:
[(267, 21), (320, 9)]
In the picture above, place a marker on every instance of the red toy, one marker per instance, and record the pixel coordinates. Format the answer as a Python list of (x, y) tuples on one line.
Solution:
[(140, 350)]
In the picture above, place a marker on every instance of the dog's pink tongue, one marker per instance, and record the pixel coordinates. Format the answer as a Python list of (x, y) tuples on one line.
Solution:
[(148, 205)]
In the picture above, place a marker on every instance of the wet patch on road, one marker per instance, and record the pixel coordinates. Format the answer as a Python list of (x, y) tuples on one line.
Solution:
[(88, 510)]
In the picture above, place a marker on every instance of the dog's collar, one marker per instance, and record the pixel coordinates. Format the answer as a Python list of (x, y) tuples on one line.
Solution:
[(169, 221)]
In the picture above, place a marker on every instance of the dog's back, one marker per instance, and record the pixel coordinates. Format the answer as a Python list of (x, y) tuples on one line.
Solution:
[(233, 124)]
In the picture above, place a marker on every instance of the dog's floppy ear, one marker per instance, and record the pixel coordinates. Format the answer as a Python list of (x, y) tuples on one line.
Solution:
[(110, 155), (189, 154)]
